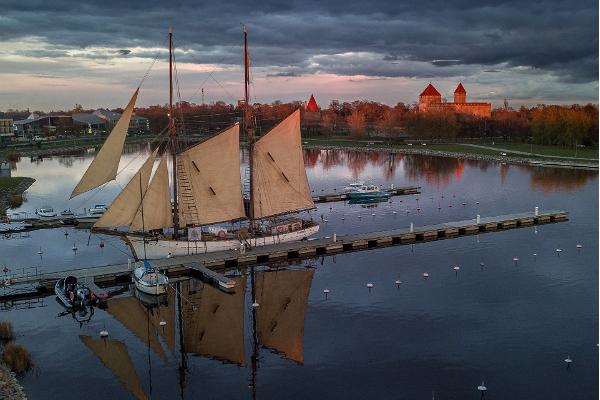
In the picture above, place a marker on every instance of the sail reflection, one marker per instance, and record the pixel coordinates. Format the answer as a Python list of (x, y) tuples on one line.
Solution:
[(283, 299), (114, 355), (213, 321)]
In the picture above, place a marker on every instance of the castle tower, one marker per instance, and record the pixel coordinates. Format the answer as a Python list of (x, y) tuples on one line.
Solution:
[(429, 96), (312, 105), (460, 94)]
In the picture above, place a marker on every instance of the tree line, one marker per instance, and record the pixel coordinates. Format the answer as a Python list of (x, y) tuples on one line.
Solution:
[(542, 124)]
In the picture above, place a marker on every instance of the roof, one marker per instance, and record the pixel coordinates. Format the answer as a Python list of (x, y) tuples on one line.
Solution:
[(88, 118), (312, 105), (430, 91), (460, 89)]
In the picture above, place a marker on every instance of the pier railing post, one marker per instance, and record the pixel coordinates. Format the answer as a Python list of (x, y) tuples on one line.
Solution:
[(537, 211), (478, 218), (412, 227), (334, 237)]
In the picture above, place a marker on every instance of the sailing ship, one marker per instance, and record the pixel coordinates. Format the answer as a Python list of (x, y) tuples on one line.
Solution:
[(206, 187)]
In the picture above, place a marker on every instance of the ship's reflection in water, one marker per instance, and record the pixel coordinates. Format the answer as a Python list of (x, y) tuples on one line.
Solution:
[(195, 318)]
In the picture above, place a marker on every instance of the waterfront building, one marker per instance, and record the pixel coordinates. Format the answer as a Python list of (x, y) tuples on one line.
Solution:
[(137, 124), (89, 123), (44, 126), (430, 100)]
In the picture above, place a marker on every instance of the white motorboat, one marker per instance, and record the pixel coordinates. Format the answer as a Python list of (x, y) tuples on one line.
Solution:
[(149, 280), (353, 187), (92, 215), (46, 213), (20, 216)]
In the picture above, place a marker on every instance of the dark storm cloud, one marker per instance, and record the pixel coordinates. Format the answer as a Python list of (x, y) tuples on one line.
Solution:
[(455, 37)]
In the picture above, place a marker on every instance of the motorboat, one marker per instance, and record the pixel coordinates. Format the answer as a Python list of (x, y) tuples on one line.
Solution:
[(353, 187), (67, 217), (74, 295), (368, 192), (92, 215), (149, 280), (47, 212), (21, 216)]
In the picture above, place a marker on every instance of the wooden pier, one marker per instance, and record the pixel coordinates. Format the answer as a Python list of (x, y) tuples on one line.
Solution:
[(208, 263), (401, 191)]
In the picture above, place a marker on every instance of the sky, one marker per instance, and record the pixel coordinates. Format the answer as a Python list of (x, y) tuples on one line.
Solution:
[(55, 54)]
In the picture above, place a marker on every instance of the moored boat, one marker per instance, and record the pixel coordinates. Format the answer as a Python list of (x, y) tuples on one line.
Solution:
[(368, 192), (74, 295), (205, 188), (46, 213), (150, 280)]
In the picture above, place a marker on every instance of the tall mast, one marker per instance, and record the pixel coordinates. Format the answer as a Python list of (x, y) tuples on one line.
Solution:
[(248, 125), (173, 134)]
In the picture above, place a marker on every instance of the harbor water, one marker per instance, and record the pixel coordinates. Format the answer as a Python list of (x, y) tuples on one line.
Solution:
[(508, 323)]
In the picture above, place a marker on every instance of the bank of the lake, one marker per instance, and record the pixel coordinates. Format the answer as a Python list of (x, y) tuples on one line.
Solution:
[(461, 151), (10, 388), (11, 187)]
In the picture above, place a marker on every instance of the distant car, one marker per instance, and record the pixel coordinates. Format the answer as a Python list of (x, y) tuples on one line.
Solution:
[(39, 138), (502, 154)]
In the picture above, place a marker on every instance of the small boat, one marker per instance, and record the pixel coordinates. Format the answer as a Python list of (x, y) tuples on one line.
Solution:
[(368, 192), (73, 294), (92, 215), (20, 216), (150, 280), (353, 187), (67, 213), (47, 212)]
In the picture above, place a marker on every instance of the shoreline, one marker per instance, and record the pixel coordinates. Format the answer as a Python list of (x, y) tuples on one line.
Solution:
[(10, 387), (17, 190), (539, 160), (531, 161)]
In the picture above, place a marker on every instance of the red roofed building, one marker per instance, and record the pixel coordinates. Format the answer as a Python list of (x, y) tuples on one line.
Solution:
[(312, 105), (460, 94), (431, 100), (429, 96)]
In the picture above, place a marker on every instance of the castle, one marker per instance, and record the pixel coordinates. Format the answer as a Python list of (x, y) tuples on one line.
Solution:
[(430, 100)]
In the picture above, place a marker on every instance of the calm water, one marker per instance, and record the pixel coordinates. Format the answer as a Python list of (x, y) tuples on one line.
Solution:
[(510, 325)]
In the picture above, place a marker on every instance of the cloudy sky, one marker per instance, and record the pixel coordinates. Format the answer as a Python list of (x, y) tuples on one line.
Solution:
[(54, 54)]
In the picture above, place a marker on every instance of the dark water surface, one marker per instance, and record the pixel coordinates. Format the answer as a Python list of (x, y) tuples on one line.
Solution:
[(510, 324)]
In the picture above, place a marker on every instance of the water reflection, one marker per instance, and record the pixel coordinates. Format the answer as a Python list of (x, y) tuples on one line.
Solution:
[(559, 179), (212, 324), (437, 171)]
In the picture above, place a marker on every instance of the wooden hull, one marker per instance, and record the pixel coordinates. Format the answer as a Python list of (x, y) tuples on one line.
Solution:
[(160, 248)]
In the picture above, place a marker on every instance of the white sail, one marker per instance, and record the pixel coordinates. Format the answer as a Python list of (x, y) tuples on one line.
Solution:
[(283, 299), (280, 183), (124, 208), (156, 203), (209, 183), (105, 165), (114, 356)]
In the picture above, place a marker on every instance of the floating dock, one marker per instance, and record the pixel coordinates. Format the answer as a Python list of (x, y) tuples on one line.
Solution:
[(401, 191), (208, 264)]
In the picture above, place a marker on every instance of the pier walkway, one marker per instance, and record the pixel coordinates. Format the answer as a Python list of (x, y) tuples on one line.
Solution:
[(219, 261)]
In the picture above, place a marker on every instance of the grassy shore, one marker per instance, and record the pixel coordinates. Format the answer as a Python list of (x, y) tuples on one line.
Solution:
[(11, 190), (553, 153)]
